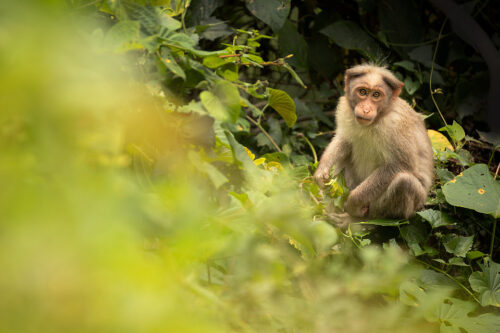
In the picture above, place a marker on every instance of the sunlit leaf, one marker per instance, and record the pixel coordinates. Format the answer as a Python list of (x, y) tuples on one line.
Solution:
[(439, 141), (283, 104)]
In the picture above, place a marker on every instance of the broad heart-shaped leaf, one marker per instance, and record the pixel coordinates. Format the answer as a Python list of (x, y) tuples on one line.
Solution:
[(411, 86), (439, 141), (349, 35), (459, 245), (435, 217), (168, 59), (487, 283), (283, 104), (454, 317), (475, 189), (222, 102), (271, 12)]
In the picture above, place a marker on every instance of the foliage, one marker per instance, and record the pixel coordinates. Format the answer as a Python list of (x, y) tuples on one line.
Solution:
[(156, 171)]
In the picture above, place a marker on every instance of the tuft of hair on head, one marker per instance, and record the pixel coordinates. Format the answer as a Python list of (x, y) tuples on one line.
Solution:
[(368, 67)]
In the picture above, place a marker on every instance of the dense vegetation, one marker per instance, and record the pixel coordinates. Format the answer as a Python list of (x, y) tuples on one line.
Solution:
[(157, 157)]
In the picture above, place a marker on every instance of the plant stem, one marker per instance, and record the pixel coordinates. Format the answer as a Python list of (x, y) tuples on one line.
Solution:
[(493, 237), (451, 277), (185, 5), (278, 149), (262, 112), (430, 76), (310, 146)]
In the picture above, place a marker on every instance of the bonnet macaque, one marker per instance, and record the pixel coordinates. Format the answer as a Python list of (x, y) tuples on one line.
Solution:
[(382, 144)]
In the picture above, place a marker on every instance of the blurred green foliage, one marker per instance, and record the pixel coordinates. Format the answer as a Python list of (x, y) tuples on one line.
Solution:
[(136, 195)]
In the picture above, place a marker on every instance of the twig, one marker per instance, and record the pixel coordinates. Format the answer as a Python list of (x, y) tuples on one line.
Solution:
[(230, 55), (451, 277), (496, 172), (265, 133)]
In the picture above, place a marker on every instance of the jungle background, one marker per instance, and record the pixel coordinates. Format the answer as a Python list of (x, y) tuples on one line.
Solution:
[(156, 161)]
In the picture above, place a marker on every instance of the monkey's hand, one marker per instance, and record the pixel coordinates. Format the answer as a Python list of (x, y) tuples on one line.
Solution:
[(322, 175), (354, 207)]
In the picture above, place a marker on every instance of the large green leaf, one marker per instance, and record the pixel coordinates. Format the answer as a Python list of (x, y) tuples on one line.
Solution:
[(349, 35), (487, 283), (222, 102), (435, 217), (454, 317), (283, 104), (475, 189), (271, 12), (459, 245), (292, 42)]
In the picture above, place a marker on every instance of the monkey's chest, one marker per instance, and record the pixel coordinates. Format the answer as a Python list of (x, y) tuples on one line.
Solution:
[(367, 156)]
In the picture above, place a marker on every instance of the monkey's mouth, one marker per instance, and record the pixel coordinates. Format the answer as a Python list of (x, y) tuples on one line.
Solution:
[(363, 121)]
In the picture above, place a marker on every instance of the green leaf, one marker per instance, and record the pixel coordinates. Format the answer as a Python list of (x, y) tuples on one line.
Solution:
[(487, 283), (222, 102), (444, 175), (454, 317), (406, 64), (215, 176), (455, 131), (122, 33), (459, 245), (213, 61), (349, 35), (283, 104), (411, 86), (168, 59), (435, 218), (455, 261), (475, 189), (292, 42), (271, 12), (146, 14), (472, 255), (385, 222)]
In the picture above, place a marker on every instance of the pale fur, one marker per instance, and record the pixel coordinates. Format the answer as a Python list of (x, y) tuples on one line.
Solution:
[(388, 164)]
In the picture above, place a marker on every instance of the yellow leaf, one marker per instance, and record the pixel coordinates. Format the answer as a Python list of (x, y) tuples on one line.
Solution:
[(259, 161), (439, 141)]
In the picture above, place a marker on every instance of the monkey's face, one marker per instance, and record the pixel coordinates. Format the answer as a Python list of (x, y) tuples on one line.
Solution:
[(369, 102)]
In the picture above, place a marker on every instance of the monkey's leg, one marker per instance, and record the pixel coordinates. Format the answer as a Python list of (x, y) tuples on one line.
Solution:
[(403, 197)]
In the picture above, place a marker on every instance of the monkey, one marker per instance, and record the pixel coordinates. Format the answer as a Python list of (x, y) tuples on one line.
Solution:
[(382, 144)]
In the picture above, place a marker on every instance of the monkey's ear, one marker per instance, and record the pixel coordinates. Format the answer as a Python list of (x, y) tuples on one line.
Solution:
[(352, 73), (394, 84)]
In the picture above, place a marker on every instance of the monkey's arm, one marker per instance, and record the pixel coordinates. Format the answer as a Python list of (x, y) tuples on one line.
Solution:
[(335, 154), (370, 189)]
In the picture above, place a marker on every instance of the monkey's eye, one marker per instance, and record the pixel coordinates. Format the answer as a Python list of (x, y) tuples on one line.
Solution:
[(376, 94), (363, 92)]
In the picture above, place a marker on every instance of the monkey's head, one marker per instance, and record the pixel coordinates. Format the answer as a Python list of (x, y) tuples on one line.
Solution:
[(370, 91)]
